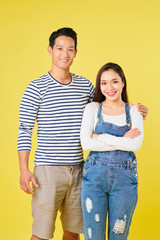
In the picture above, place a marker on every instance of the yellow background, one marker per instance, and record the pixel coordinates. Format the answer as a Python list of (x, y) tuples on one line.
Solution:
[(122, 31)]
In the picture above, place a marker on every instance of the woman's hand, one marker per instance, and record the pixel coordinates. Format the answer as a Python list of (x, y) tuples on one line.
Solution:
[(94, 136), (133, 133)]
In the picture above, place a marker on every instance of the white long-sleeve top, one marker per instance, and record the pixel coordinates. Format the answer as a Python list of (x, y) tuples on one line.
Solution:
[(107, 142)]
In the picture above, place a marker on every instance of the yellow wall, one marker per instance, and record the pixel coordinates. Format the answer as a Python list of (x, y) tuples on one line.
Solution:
[(126, 32)]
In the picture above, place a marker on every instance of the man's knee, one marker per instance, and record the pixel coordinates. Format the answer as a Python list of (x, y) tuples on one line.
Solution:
[(37, 238), (70, 236)]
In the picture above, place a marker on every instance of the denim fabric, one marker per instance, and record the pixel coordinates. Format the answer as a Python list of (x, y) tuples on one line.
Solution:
[(109, 185)]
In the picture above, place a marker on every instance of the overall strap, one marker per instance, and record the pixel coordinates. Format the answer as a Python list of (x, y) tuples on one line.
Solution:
[(128, 119), (99, 111)]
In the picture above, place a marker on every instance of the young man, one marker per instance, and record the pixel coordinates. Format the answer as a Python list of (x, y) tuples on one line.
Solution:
[(56, 101)]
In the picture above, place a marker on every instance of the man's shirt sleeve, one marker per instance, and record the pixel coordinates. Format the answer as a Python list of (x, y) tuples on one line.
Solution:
[(27, 117), (92, 90)]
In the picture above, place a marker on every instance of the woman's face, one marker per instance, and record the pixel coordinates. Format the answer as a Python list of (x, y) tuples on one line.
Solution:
[(111, 85)]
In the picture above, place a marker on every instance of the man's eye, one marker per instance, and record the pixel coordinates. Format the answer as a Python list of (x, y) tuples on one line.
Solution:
[(71, 50), (59, 48)]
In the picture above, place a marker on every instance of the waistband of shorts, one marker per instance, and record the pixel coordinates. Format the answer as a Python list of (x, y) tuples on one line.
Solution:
[(78, 166)]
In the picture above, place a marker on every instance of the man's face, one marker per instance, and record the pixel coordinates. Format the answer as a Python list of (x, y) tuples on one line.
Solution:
[(63, 52)]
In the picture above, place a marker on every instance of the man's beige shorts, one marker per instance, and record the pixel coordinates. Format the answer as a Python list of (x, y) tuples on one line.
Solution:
[(59, 188)]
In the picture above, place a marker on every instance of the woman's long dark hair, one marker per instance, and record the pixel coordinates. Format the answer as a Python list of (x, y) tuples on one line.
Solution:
[(98, 96)]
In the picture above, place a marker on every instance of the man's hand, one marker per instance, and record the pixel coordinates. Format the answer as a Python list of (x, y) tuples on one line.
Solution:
[(94, 136), (143, 110), (25, 178), (133, 133)]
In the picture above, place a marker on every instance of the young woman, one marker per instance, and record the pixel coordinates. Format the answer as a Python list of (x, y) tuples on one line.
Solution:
[(111, 129)]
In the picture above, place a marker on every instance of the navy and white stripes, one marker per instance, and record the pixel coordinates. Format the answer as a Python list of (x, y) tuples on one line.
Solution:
[(58, 109)]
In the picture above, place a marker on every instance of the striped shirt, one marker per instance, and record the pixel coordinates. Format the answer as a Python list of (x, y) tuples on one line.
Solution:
[(58, 110)]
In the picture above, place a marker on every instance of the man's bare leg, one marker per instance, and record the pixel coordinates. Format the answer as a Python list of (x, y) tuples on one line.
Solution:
[(66, 236), (70, 236), (37, 238)]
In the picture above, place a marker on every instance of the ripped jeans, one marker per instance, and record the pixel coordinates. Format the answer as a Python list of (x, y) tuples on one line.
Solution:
[(108, 186)]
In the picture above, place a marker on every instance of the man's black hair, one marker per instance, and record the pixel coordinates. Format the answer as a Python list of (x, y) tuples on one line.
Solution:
[(68, 32)]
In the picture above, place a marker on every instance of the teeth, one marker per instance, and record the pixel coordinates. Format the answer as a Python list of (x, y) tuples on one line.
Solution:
[(111, 93), (62, 60)]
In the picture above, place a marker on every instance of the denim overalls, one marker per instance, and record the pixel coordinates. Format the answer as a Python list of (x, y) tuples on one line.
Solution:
[(109, 185)]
